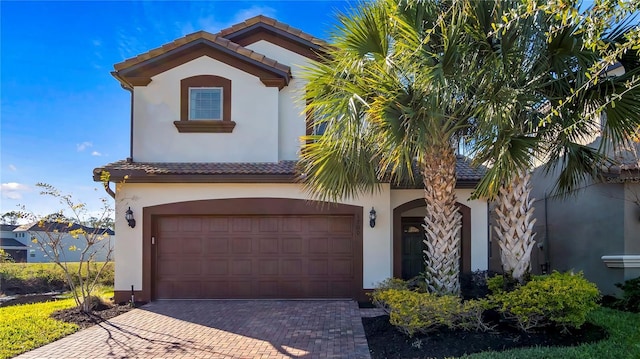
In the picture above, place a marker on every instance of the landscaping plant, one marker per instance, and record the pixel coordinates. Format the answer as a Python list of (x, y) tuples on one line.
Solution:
[(630, 300), (53, 229), (562, 299)]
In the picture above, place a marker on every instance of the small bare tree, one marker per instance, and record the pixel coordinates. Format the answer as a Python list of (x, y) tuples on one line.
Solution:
[(54, 233)]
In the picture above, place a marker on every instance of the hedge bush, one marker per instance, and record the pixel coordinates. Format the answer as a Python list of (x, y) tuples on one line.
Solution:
[(413, 312), (563, 299), (630, 300)]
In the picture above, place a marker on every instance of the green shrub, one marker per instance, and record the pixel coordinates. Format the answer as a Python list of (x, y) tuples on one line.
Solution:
[(42, 277), (563, 299), (630, 295), (392, 283), (412, 311)]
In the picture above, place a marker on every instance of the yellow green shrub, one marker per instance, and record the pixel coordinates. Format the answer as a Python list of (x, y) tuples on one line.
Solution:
[(563, 299), (415, 312)]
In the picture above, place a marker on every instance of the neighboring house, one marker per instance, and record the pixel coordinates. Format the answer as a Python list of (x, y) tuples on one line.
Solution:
[(211, 181), (12, 244), (597, 229), (27, 232)]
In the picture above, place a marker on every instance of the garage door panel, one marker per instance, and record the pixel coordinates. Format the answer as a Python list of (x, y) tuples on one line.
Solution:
[(241, 267), (218, 224), (318, 245), (285, 256), (317, 224), (215, 245), (292, 246), (241, 224), (318, 267), (341, 245), (268, 245), (216, 267), (268, 267), (341, 267), (191, 245), (241, 245), (341, 225), (269, 224), (190, 224), (240, 288)]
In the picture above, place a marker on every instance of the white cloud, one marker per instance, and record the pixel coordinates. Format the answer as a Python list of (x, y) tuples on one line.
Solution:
[(96, 153), (255, 10), (13, 190), (213, 25), (83, 146), (12, 168), (96, 42)]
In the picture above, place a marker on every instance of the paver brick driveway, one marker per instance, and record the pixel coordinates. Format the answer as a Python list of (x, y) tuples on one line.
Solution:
[(221, 329)]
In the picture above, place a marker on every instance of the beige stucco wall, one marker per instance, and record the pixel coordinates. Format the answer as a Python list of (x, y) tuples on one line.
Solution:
[(292, 119), (254, 108), (479, 221), (377, 242), (376, 246)]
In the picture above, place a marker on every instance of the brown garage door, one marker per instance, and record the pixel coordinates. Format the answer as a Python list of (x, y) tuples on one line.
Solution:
[(287, 256)]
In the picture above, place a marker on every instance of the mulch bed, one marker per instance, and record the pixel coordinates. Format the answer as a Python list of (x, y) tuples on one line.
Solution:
[(385, 341), (85, 320)]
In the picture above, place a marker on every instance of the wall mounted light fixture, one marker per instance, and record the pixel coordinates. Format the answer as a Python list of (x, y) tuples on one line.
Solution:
[(372, 217), (128, 215)]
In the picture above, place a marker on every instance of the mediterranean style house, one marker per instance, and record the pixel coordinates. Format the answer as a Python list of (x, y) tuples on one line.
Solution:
[(210, 188)]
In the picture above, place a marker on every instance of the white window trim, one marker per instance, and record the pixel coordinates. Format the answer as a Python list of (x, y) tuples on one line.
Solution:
[(221, 103)]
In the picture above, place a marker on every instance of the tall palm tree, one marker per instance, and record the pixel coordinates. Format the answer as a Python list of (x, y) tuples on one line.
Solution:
[(391, 93), (545, 104)]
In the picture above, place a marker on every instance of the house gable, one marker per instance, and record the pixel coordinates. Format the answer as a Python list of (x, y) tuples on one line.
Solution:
[(262, 28), (138, 71)]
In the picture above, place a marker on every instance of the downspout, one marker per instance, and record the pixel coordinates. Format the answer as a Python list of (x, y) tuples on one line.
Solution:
[(130, 158), (545, 246)]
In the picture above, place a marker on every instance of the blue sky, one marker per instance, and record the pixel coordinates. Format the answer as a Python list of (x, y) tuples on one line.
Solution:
[(61, 112)]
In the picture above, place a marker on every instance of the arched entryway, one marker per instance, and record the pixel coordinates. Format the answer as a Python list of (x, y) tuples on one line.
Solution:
[(398, 234)]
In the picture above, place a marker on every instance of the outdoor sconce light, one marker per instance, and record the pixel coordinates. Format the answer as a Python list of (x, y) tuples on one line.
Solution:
[(128, 215), (372, 217)]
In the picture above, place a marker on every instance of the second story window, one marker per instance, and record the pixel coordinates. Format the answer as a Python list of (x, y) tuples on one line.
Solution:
[(205, 103)]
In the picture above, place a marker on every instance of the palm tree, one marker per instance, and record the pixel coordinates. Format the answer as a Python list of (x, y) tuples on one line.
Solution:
[(391, 91), (548, 90)]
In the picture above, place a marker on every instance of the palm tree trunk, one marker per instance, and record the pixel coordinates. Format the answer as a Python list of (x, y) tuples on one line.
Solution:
[(515, 226), (442, 223)]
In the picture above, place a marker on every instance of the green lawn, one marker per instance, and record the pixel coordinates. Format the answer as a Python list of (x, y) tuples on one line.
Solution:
[(26, 327), (623, 341)]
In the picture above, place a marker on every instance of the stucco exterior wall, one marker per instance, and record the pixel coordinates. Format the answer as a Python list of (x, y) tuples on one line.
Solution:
[(479, 221), (292, 119), (632, 226), (376, 241), (254, 108), (581, 229)]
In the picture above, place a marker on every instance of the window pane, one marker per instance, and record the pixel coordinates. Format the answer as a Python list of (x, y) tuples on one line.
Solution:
[(205, 104)]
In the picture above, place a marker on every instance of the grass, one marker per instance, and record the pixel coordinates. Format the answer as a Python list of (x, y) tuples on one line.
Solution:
[(623, 341), (29, 326)]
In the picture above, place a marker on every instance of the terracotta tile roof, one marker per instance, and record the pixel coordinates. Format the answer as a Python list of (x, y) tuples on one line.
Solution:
[(203, 35), (273, 23), (465, 172), (204, 168)]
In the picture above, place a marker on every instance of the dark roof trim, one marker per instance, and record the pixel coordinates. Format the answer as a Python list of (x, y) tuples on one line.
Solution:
[(203, 41), (259, 26)]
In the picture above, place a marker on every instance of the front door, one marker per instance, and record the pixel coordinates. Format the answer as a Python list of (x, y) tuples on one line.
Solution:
[(412, 247)]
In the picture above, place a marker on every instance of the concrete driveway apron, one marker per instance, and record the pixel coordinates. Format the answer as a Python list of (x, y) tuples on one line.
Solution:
[(221, 329)]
